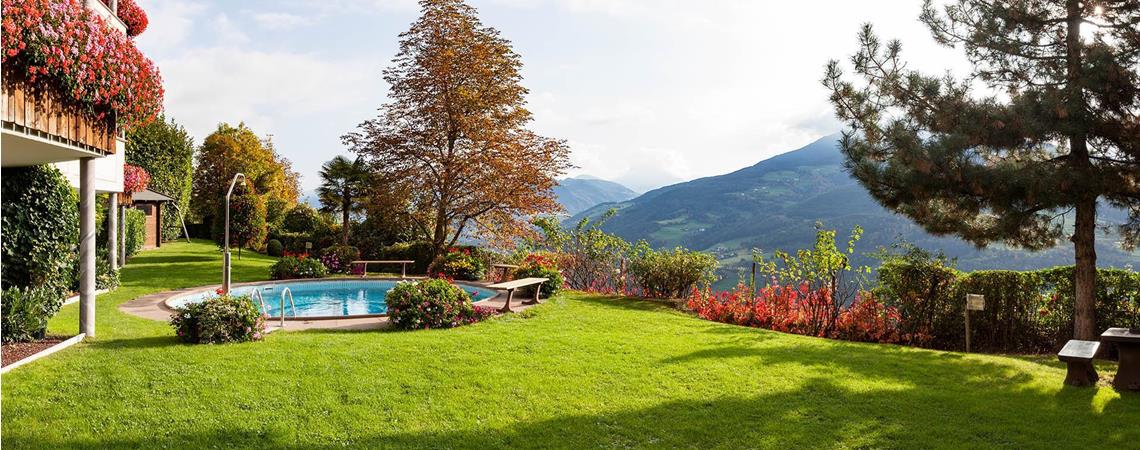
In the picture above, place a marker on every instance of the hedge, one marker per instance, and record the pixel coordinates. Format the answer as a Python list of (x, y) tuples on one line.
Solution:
[(166, 150), (40, 230), (1025, 312), (135, 223)]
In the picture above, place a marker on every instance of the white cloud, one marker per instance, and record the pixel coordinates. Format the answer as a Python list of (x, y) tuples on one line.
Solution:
[(280, 21), (171, 23), (227, 32)]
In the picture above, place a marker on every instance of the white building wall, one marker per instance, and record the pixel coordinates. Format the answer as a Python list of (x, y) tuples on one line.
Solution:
[(108, 170)]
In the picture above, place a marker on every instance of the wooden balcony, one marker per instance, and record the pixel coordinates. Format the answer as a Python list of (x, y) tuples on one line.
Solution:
[(44, 116)]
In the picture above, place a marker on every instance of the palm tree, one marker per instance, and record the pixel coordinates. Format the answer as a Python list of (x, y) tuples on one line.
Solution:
[(344, 184)]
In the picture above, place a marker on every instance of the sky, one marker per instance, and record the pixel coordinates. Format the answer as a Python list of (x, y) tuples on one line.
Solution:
[(646, 92)]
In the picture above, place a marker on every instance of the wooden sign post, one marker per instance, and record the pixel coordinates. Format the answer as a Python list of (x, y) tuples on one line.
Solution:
[(974, 302)]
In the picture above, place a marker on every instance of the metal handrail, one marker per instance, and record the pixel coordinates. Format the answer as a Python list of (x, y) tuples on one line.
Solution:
[(260, 299), (291, 304)]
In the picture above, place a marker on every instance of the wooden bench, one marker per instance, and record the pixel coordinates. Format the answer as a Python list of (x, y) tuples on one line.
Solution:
[(510, 287), (503, 269), (402, 262), (1079, 356)]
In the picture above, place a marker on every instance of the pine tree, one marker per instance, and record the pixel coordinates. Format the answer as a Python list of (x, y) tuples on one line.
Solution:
[(454, 137), (1046, 124)]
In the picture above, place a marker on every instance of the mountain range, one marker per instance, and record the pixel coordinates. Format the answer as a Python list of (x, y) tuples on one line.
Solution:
[(776, 203), (580, 193)]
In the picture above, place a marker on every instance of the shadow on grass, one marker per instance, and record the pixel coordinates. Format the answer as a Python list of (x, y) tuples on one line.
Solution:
[(817, 414), (137, 343)]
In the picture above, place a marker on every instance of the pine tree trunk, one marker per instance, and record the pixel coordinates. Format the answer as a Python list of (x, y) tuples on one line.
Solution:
[(344, 222), (1084, 239)]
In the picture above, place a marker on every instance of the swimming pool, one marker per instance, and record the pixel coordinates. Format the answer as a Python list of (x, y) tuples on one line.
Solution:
[(322, 299)]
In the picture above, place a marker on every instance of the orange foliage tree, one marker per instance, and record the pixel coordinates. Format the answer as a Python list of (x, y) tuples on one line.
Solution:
[(453, 142)]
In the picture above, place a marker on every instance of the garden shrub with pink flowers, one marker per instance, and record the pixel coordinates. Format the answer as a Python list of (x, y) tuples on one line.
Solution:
[(432, 303), (218, 320)]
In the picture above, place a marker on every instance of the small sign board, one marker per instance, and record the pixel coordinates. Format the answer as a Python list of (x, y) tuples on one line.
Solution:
[(975, 302)]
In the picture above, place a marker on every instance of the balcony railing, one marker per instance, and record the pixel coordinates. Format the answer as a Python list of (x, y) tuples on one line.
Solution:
[(42, 113)]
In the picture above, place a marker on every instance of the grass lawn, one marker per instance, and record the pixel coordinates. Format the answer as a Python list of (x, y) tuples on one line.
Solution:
[(579, 371)]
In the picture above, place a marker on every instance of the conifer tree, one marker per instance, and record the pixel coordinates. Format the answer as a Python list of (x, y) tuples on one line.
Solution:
[(1046, 124)]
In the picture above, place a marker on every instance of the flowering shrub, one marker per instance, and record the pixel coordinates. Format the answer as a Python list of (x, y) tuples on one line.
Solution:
[(798, 310), (220, 319), (339, 258), (432, 303), (133, 17), (302, 266), (460, 264), (541, 265), (62, 44), (135, 178)]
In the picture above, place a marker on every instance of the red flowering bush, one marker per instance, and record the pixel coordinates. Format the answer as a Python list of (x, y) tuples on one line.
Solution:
[(61, 44), (133, 16), (541, 265), (460, 264), (799, 311), (135, 178)]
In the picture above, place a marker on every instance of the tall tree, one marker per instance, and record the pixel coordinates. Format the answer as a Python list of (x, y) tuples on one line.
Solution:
[(230, 150), (1055, 129), (454, 135), (343, 189), (166, 151)]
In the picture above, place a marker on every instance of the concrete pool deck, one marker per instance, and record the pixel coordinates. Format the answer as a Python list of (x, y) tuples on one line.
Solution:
[(153, 307)]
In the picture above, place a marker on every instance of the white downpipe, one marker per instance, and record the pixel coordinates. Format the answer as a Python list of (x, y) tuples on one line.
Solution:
[(226, 242)]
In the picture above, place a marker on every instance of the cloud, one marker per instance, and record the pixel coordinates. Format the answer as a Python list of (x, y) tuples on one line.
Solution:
[(172, 23), (280, 21)]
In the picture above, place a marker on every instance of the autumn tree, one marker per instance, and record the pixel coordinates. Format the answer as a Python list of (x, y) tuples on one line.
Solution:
[(453, 138), (343, 189), (230, 150), (1045, 125)]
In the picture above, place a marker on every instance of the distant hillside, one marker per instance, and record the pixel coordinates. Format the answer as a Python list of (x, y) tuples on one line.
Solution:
[(581, 193), (774, 204)]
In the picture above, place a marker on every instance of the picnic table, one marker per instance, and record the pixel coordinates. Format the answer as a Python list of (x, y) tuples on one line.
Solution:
[(402, 262), (1128, 347), (503, 268), (510, 287)]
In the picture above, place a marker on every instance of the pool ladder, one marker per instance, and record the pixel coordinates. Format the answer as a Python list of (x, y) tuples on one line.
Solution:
[(293, 305)]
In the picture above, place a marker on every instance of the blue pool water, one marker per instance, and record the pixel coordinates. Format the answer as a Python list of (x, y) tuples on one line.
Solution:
[(324, 298)]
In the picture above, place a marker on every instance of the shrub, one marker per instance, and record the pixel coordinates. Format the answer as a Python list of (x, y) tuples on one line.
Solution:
[(247, 221), (40, 228), (1025, 311), (219, 320), (291, 267), (588, 257), (274, 248), (135, 223), (797, 310), (461, 264), (418, 251), (670, 273), (24, 312), (541, 265), (432, 303), (339, 258)]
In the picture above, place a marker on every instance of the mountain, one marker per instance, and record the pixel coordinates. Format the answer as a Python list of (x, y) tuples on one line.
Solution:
[(580, 193), (775, 204)]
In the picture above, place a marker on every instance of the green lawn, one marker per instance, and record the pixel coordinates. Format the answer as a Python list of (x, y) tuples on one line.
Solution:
[(580, 371)]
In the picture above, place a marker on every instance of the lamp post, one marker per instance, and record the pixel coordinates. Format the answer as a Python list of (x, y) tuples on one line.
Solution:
[(226, 243)]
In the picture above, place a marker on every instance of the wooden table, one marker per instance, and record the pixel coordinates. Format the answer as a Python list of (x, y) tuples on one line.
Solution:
[(504, 267), (1128, 347), (402, 262)]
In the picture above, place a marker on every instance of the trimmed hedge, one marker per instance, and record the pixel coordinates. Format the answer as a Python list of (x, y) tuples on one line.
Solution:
[(418, 251), (135, 223), (1026, 312)]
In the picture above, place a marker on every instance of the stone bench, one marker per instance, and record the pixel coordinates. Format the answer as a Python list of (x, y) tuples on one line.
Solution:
[(510, 287), (1079, 356)]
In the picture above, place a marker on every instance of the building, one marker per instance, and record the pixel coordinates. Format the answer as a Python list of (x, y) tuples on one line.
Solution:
[(42, 124)]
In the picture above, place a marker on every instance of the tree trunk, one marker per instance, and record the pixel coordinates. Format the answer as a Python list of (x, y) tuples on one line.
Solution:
[(1084, 239), (344, 219)]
